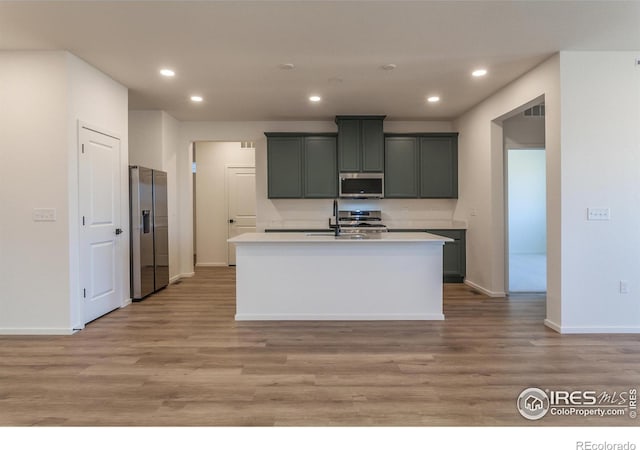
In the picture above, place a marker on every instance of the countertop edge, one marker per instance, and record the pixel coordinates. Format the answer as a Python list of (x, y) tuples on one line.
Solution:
[(297, 237)]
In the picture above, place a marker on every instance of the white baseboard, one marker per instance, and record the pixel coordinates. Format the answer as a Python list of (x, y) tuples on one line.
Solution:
[(591, 330), (126, 302), (485, 291), (175, 278), (37, 331), (212, 265), (554, 326)]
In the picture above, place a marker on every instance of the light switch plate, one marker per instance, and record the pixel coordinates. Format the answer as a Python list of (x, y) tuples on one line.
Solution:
[(598, 214), (44, 215)]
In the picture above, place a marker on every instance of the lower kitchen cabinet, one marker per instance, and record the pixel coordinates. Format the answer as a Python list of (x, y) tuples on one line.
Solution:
[(454, 257)]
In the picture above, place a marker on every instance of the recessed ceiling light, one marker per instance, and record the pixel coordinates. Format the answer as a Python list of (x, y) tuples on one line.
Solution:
[(167, 73), (196, 98), (315, 98), (433, 99), (479, 72), (389, 66), (287, 66)]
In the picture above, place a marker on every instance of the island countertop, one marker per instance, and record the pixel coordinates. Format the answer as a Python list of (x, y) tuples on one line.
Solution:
[(328, 237)]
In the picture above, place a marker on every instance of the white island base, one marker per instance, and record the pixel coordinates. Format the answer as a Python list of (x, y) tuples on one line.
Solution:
[(295, 276)]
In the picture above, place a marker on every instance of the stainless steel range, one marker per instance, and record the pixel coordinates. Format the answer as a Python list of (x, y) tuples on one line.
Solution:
[(359, 222)]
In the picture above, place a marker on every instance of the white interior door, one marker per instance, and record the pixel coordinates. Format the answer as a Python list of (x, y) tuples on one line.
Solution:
[(241, 201), (100, 266)]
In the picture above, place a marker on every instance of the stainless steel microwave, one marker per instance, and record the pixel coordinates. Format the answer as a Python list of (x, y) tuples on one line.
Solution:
[(362, 185)]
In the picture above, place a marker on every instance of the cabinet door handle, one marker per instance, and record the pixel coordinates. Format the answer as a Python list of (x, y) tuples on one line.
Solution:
[(232, 221)]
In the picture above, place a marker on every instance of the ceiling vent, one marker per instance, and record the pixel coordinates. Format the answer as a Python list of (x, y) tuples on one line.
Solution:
[(535, 111)]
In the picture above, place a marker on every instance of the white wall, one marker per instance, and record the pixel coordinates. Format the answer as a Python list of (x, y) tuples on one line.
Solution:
[(527, 202), (43, 95), (212, 158), (481, 175), (153, 143), (170, 149), (527, 207), (600, 168), (145, 139), (34, 256)]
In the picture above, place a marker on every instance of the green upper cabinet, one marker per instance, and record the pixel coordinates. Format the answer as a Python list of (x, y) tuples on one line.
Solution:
[(301, 165), (439, 167), (401, 167), (421, 165), (320, 167), (360, 143), (349, 145), (284, 166)]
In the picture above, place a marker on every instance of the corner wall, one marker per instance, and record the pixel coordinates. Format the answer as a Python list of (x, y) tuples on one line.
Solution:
[(95, 100), (601, 169), (43, 95), (34, 256), (481, 175)]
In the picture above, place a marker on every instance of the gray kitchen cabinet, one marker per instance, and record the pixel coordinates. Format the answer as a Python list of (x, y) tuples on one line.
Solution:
[(434, 166), (454, 256), (360, 143), (401, 167), (284, 166), (301, 165), (320, 167), (439, 167)]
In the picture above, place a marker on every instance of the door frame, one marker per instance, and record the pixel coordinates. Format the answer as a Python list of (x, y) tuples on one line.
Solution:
[(500, 145), (75, 226), (226, 193)]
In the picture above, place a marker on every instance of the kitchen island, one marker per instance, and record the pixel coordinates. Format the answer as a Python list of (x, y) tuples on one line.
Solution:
[(317, 276)]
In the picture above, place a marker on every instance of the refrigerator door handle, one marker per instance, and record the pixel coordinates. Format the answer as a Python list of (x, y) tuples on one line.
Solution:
[(146, 221)]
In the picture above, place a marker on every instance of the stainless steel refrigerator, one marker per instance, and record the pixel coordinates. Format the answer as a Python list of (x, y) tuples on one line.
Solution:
[(149, 225)]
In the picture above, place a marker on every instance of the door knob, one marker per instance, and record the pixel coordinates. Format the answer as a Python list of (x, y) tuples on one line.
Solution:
[(118, 231)]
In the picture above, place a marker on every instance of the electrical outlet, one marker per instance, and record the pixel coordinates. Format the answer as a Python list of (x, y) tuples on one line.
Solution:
[(474, 212), (624, 287), (598, 214), (44, 215)]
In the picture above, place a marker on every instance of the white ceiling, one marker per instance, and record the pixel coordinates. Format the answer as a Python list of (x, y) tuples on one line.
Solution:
[(230, 52)]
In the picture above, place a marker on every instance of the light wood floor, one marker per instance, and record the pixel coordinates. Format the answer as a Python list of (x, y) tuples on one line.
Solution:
[(179, 358)]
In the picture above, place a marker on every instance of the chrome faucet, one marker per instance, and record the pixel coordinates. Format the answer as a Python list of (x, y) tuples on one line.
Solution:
[(335, 214)]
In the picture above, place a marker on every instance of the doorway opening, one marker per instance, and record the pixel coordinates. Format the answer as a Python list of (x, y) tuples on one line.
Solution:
[(526, 205), (224, 198)]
